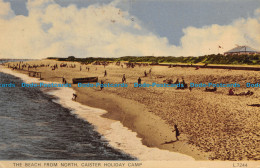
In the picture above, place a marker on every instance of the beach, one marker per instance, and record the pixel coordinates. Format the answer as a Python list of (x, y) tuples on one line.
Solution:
[(212, 125)]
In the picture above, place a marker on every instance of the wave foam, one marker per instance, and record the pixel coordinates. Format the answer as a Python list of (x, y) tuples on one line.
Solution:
[(114, 132)]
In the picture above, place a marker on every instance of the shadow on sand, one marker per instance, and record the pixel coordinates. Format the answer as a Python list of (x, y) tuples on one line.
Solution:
[(168, 142)]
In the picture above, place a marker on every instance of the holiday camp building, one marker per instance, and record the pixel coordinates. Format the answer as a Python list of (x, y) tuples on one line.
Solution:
[(240, 50)]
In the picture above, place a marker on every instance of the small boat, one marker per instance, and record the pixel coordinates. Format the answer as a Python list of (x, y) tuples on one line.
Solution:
[(84, 80)]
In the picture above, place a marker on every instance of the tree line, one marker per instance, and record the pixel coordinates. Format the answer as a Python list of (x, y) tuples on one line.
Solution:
[(207, 59)]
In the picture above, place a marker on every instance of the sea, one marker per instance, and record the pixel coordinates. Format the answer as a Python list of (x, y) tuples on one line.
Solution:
[(33, 127), (45, 124)]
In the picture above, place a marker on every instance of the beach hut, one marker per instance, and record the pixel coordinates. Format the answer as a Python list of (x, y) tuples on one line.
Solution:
[(241, 50)]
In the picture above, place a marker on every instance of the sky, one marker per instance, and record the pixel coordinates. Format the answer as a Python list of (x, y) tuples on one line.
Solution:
[(114, 28)]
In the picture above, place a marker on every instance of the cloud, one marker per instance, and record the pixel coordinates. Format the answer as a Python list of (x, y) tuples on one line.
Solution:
[(5, 10), (107, 31), (206, 40)]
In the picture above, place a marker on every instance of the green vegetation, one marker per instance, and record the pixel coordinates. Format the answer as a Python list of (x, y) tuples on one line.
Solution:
[(207, 59)]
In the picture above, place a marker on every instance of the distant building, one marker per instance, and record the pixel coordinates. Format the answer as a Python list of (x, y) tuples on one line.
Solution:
[(240, 50)]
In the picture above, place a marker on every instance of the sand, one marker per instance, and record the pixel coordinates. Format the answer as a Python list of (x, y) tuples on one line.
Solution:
[(213, 125)]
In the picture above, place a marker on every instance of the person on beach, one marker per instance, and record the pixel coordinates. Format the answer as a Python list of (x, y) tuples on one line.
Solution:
[(105, 73), (139, 81), (124, 79), (74, 97), (177, 132), (145, 74), (190, 88), (230, 92), (183, 82), (80, 68), (101, 86), (177, 81)]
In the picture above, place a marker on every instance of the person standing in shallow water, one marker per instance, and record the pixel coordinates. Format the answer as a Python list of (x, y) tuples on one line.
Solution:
[(177, 133)]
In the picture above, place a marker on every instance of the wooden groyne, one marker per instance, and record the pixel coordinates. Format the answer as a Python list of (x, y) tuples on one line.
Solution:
[(84, 80)]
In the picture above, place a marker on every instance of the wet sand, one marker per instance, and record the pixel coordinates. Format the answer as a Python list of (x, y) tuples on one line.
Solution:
[(213, 125)]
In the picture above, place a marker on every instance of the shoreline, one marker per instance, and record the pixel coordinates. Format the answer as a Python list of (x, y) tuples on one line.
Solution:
[(125, 117), (138, 119)]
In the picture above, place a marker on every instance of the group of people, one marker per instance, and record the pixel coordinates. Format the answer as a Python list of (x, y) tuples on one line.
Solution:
[(145, 73)]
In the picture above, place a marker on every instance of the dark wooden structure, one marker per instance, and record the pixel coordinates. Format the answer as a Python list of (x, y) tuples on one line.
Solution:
[(35, 74), (84, 80)]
